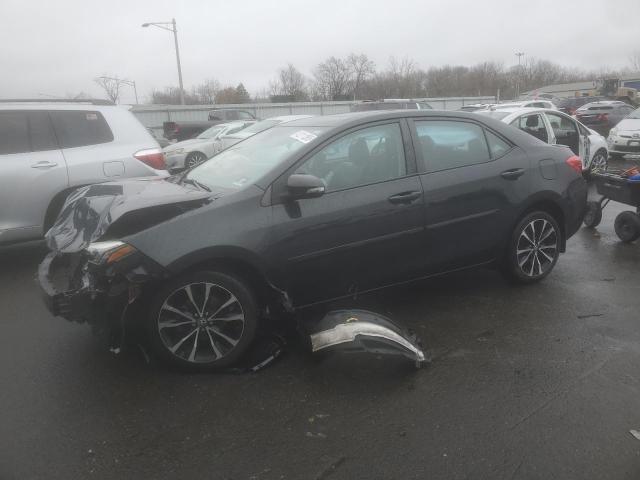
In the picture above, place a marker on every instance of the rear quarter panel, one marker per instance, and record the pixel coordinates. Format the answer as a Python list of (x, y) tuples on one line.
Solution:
[(112, 160)]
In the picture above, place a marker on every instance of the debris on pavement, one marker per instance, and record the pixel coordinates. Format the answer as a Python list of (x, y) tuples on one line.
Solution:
[(635, 433), (357, 331)]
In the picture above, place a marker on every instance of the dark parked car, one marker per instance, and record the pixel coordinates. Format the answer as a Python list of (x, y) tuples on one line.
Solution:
[(305, 212), (571, 104), (602, 116)]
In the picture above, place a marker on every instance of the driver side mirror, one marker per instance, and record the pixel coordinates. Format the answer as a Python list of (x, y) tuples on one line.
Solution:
[(301, 185)]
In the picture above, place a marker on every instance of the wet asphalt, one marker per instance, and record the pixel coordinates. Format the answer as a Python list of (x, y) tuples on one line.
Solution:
[(538, 382)]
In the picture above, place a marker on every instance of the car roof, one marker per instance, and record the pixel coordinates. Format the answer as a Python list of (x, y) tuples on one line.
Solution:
[(17, 105), (345, 120), (605, 102)]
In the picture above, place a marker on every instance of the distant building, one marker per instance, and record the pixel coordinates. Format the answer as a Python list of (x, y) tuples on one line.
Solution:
[(562, 90)]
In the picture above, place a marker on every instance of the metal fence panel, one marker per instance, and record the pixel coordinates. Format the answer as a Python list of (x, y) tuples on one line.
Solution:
[(153, 116)]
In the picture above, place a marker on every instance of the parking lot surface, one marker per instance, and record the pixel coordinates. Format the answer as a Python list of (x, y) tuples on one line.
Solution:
[(526, 382)]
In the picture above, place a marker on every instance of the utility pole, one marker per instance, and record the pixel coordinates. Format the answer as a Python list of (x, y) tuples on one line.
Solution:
[(519, 55), (172, 28)]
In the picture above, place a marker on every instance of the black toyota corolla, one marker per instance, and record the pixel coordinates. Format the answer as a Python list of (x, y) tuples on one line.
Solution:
[(314, 210)]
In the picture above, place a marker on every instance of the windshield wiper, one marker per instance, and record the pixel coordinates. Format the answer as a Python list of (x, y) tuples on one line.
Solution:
[(196, 183)]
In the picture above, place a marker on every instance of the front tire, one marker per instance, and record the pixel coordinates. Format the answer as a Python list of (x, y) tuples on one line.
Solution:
[(203, 321), (534, 248), (194, 159)]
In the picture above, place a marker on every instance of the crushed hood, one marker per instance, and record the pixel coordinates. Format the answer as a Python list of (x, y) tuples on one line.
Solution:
[(117, 209)]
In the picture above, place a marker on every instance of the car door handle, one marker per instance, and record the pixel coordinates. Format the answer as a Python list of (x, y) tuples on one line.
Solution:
[(405, 197), (44, 164), (512, 174)]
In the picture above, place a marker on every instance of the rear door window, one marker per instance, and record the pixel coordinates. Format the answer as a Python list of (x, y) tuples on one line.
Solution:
[(451, 144), (80, 128), (245, 115), (497, 146)]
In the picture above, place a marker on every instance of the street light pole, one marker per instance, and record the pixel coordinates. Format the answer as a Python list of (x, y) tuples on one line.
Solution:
[(175, 37), (172, 28), (519, 55)]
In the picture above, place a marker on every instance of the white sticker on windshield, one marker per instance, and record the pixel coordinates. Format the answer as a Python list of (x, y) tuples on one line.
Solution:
[(303, 136)]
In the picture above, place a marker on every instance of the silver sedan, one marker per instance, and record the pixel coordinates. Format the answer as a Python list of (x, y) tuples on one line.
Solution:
[(192, 152)]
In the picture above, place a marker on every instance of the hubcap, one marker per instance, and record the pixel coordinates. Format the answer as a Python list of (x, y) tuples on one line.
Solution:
[(201, 322), (599, 162), (195, 159), (537, 248)]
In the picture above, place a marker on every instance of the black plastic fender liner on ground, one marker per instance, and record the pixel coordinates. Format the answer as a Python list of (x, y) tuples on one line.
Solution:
[(358, 331)]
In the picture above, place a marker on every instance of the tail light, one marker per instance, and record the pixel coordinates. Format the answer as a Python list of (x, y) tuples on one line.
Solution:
[(152, 157), (603, 117), (575, 163)]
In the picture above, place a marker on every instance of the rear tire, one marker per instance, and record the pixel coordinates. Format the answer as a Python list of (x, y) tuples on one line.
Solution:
[(593, 217), (534, 248), (202, 321), (627, 226), (599, 162)]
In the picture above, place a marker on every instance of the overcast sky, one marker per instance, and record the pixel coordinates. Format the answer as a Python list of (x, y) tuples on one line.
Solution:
[(57, 47)]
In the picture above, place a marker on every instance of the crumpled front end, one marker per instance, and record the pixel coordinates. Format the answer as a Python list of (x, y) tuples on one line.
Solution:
[(97, 286)]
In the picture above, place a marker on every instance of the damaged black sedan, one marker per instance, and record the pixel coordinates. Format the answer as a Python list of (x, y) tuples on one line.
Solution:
[(315, 210)]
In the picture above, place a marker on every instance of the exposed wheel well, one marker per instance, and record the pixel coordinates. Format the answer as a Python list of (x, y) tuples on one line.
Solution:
[(266, 293), (55, 206)]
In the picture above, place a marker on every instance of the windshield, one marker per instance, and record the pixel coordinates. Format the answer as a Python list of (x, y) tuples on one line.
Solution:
[(211, 132), (246, 162)]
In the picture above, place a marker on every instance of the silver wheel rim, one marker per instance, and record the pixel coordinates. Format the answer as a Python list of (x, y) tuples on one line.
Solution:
[(599, 162), (201, 322), (537, 248), (195, 159)]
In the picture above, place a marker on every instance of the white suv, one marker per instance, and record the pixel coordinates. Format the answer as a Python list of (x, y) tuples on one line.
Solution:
[(48, 149)]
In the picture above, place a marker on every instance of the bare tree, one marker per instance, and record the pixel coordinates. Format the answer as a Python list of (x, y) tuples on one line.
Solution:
[(332, 79), (290, 83), (207, 91), (361, 70), (111, 86)]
